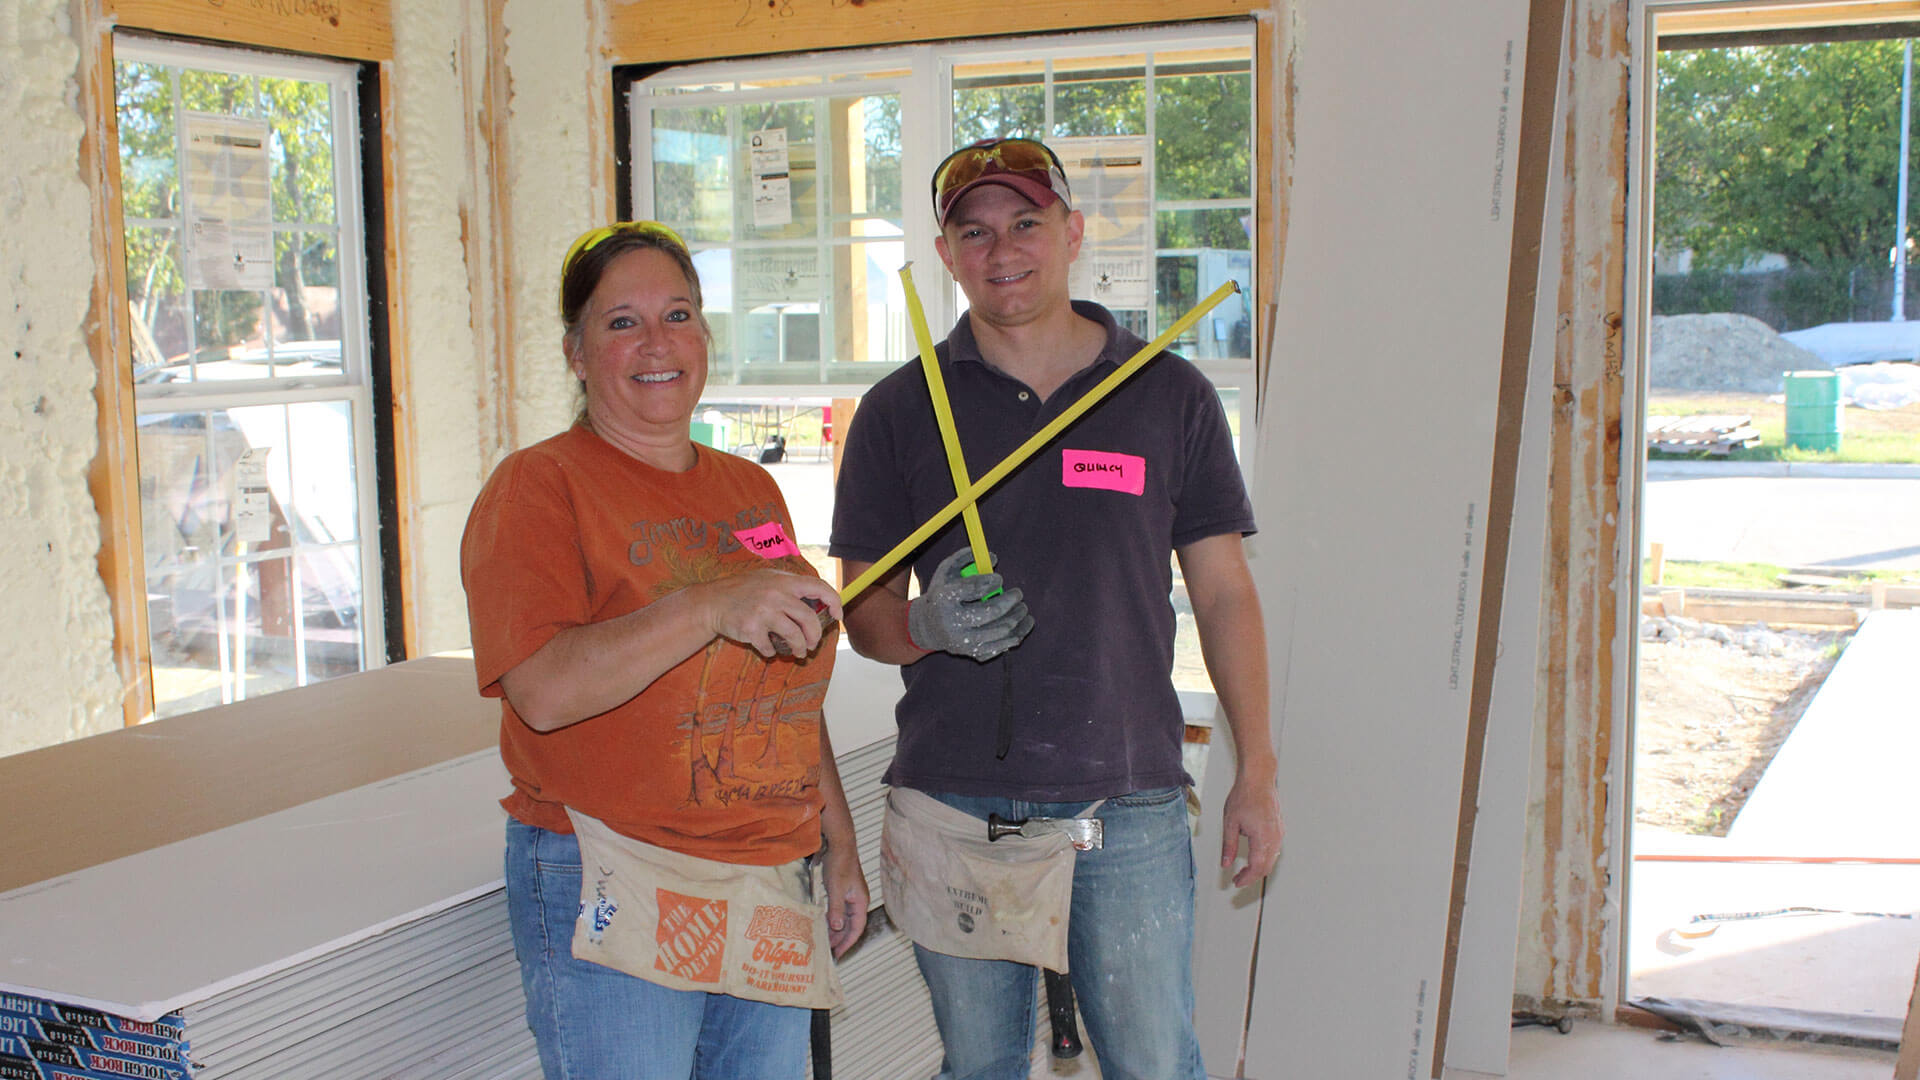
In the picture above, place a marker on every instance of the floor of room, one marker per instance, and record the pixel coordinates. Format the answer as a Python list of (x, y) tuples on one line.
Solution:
[(1593, 1051)]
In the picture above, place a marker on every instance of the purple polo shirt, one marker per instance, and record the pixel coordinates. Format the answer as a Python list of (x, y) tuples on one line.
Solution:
[(1086, 529)]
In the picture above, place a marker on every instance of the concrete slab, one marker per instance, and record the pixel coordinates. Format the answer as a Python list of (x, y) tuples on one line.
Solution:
[(1844, 783), (1605, 1052), (1852, 964)]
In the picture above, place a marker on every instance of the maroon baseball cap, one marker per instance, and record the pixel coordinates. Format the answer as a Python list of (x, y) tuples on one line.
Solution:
[(1025, 165)]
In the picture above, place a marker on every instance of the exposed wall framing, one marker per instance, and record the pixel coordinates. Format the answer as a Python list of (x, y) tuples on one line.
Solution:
[(113, 477), (1571, 906)]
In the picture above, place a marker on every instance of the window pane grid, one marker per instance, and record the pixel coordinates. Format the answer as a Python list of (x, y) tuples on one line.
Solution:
[(248, 408)]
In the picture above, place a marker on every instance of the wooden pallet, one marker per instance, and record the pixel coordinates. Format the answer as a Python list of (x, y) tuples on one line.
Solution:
[(1692, 434)]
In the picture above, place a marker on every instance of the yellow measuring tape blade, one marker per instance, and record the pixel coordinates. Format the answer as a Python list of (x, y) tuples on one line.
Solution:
[(1032, 446), (943, 412)]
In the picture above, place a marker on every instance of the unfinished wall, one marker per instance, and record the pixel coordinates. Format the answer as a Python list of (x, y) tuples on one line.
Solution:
[(438, 70), (57, 678), (554, 191), (1570, 911)]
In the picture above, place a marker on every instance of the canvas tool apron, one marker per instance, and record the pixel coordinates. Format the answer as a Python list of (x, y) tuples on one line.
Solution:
[(687, 923), (955, 892)]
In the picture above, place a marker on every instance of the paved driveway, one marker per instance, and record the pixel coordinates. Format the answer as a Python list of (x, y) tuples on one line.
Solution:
[(1862, 518)]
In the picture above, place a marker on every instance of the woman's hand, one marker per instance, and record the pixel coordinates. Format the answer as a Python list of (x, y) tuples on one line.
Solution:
[(767, 610), (847, 897)]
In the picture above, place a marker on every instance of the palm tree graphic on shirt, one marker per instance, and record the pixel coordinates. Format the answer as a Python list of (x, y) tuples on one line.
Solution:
[(749, 700)]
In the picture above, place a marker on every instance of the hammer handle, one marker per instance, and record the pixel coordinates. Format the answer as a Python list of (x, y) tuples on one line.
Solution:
[(1060, 1014)]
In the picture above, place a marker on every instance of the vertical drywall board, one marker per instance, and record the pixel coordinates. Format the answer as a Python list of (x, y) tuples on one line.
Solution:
[(1374, 469), (1480, 1029)]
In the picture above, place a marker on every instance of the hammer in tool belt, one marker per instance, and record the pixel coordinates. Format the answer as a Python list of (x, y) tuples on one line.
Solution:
[(1085, 834)]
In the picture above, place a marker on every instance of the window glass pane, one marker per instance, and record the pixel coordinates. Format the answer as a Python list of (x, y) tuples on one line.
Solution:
[(692, 187), (258, 602), (793, 439), (157, 306), (218, 92), (301, 154), (229, 335), (220, 488), (1226, 332), (1103, 95), (1228, 229), (1002, 98), (306, 307), (1203, 128), (330, 610), (149, 171), (866, 135)]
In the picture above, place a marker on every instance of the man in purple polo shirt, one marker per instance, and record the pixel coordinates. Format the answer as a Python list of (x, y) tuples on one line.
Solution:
[(1039, 700)]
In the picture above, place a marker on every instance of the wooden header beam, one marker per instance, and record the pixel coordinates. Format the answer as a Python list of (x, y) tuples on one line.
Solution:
[(1763, 17), (348, 29), (681, 30)]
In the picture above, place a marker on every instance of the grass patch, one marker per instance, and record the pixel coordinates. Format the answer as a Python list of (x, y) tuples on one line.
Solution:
[(1867, 436), (1758, 576)]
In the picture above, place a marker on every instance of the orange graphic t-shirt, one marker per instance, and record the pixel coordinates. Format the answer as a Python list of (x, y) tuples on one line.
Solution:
[(720, 756)]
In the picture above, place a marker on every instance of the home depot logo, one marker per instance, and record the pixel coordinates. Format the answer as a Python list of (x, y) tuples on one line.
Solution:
[(691, 936)]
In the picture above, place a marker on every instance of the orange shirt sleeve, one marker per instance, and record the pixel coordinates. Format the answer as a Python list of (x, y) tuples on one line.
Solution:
[(521, 563)]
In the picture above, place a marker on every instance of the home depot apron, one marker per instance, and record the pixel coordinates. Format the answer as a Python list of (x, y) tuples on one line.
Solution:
[(688, 923), (955, 892)]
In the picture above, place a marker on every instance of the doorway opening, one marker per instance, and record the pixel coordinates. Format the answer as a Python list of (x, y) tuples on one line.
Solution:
[(1774, 869)]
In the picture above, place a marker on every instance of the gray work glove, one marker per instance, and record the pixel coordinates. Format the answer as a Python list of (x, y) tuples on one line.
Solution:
[(956, 615)]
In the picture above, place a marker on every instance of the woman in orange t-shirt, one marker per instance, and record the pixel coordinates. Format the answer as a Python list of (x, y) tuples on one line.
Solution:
[(661, 650)]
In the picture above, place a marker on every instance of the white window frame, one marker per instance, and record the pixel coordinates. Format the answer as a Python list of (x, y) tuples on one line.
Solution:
[(354, 384), (926, 90)]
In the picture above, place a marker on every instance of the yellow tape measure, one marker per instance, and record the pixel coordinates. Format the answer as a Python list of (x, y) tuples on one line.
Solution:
[(972, 493)]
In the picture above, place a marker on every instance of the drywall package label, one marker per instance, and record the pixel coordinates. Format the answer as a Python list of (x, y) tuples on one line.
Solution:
[(772, 190), (229, 203)]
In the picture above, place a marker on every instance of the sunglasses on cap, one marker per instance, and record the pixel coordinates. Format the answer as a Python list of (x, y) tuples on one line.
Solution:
[(1026, 165), (593, 237)]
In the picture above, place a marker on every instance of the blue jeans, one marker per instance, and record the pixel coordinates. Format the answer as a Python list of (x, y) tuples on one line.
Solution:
[(595, 1023), (1129, 943)]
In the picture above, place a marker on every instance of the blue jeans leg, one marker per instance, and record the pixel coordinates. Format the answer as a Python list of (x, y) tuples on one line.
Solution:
[(595, 1023), (1130, 942)]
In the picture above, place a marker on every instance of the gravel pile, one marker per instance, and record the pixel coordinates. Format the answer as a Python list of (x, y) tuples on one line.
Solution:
[(1721, 352), (1791, 646)]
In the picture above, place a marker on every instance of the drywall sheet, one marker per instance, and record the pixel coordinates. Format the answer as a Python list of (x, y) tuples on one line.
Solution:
[(1480, 1028), (147, 934), (1373, 478), (86, 802)]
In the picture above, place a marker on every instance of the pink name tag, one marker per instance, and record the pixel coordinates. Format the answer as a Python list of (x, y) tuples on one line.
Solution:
[(768, 541), (1103, 469)]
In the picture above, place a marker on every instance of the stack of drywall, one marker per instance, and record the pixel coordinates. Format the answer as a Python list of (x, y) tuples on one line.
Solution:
[(360, 934), (436, 998)]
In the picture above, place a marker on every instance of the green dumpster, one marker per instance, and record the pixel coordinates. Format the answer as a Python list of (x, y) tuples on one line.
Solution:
[(1813, 410)]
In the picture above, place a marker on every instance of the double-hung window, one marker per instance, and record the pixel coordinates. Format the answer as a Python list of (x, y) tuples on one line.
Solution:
[(246, 289), (801, 185)]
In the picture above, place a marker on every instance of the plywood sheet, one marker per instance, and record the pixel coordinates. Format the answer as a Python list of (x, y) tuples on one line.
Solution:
[(1391, 311)]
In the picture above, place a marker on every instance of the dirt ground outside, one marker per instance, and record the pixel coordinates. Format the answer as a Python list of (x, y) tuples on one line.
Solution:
[(1714, 705)]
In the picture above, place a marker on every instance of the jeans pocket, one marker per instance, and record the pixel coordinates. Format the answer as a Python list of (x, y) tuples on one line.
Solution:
[(1152, 797)]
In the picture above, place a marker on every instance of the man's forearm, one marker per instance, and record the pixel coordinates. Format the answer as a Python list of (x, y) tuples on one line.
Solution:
[(876, 621)]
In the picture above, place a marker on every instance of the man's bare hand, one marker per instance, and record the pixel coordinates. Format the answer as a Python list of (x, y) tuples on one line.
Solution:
[(847, 898), (1253, 812)]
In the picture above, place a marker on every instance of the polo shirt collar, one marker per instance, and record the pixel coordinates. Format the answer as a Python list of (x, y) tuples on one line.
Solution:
[(961, 347)]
